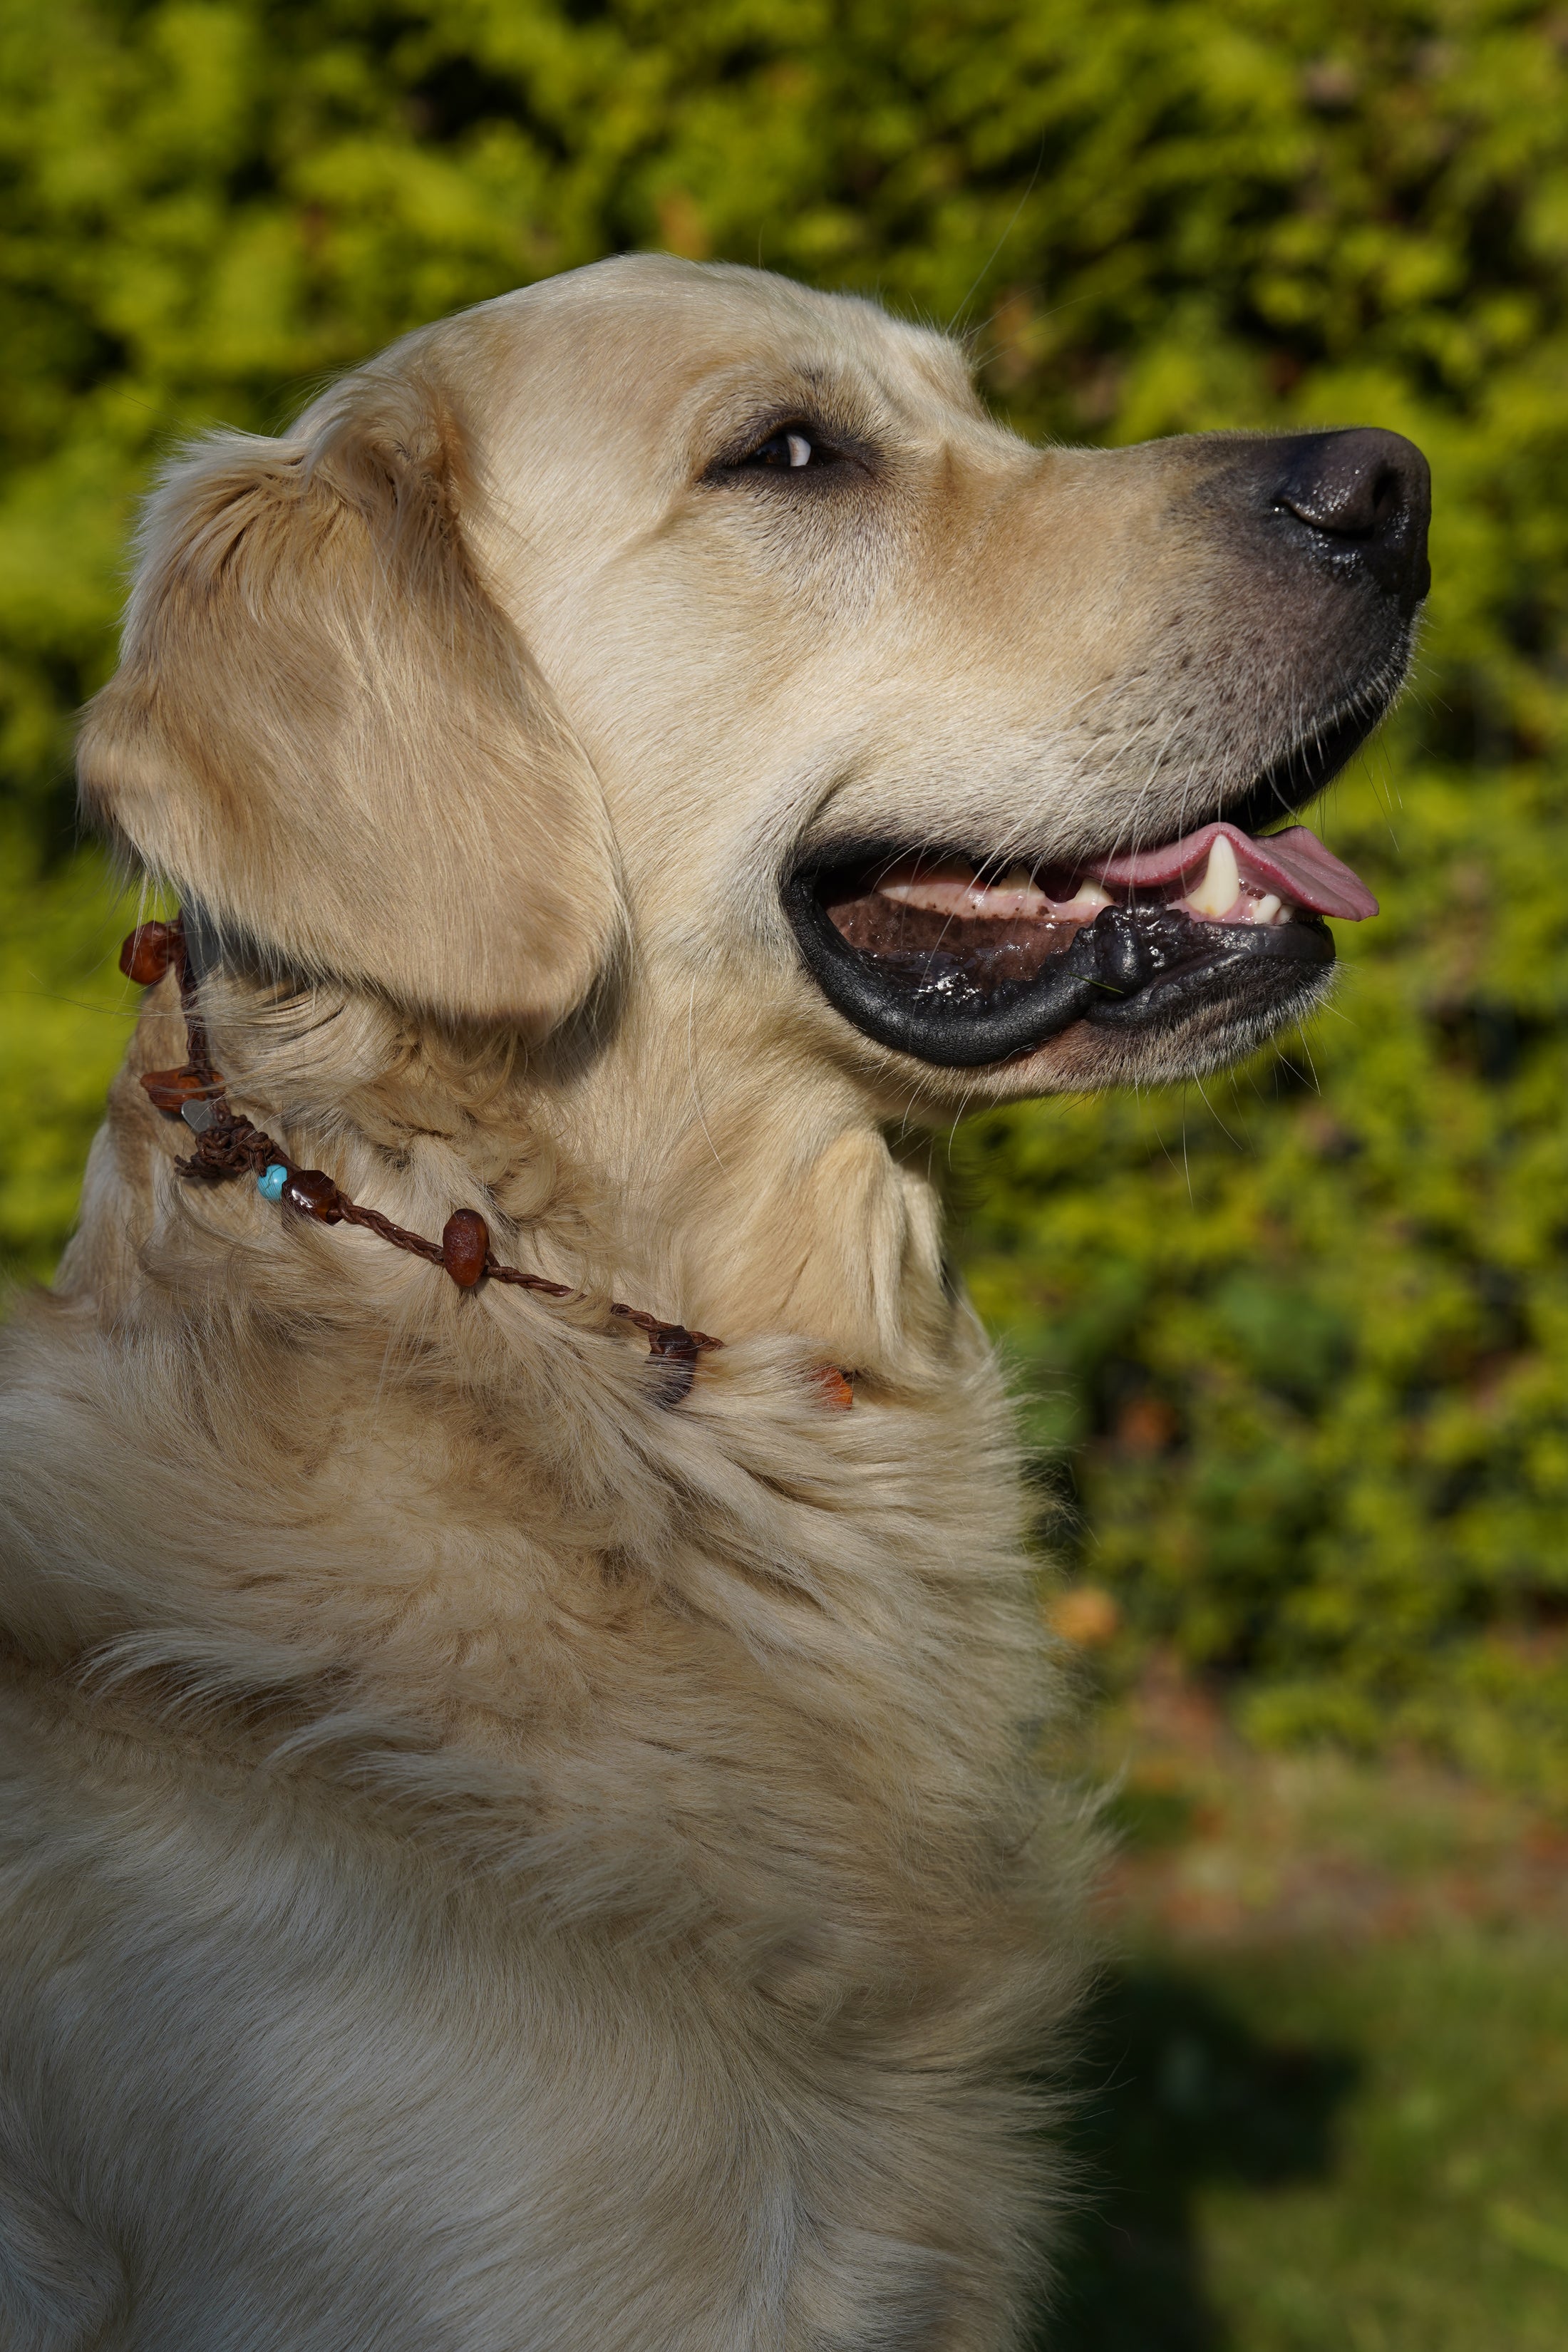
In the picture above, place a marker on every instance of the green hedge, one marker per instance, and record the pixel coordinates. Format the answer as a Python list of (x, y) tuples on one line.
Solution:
[(1298, 1345)]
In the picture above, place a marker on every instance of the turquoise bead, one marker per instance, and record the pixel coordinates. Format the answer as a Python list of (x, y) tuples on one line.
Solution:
[(270, 1183)]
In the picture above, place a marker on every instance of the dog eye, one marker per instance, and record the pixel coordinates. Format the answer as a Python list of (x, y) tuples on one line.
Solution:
[(797, 449), (791, 446)]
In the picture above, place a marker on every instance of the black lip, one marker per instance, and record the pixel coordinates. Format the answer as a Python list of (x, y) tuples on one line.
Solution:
[(1133, 968)]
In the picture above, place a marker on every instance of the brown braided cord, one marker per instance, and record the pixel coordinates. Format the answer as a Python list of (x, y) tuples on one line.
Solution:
[(228, 1144)]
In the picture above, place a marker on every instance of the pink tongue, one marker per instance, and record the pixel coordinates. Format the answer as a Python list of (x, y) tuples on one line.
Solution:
[(1294, 863)]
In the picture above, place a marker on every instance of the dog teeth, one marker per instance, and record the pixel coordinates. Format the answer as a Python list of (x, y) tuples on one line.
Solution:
[(1268, 909), (1221, 886), (1090, 893), (1016, 877)]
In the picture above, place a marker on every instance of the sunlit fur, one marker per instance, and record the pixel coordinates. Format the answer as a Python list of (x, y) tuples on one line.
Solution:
[(492, 1860)]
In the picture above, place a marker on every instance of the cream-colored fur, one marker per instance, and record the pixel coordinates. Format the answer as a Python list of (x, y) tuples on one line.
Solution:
[(490, 1860)]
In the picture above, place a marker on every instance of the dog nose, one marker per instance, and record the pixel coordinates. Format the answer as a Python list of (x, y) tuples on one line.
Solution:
[(1365, 497)]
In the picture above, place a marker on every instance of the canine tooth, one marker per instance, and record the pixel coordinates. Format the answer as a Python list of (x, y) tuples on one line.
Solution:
[(1221, 885)]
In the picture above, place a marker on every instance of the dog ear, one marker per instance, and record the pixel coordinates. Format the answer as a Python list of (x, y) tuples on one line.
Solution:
[(325, 731)]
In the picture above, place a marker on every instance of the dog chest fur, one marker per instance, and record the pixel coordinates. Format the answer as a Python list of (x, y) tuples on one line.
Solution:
[(526, 1852)]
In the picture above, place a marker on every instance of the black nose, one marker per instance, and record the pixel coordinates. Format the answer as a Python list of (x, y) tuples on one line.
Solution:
[(1366, 497)]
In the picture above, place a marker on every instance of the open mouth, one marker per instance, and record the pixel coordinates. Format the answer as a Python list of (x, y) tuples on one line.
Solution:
[(962, 961)]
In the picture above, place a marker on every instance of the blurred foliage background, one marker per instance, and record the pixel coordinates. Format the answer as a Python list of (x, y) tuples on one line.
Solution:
[(1298, 1345)]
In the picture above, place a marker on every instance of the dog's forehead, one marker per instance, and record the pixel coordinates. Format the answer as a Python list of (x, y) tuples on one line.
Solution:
[(645, 342)]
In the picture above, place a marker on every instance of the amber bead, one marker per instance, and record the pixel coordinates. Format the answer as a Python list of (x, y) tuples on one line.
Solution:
[(170, 1090), (314, 1195), (465, 1246), (147, 954)]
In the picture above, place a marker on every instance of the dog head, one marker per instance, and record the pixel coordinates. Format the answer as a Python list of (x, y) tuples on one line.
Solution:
[(664, 635)]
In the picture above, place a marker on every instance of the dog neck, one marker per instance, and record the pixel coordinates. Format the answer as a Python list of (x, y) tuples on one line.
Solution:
[(750, 1192)]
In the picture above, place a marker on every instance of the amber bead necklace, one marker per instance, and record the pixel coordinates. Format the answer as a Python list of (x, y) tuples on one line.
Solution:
[(226, 1144)]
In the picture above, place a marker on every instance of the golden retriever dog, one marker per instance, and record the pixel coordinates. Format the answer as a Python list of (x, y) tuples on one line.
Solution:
[(520, 1676)]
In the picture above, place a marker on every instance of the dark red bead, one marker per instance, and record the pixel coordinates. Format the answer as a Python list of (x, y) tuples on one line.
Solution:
[(147, 954), (465, 1246), (314, 1195), (170, 1090)]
